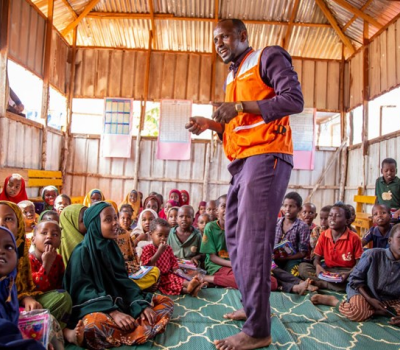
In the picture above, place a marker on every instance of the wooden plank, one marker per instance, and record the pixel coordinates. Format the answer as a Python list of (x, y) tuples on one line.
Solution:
[(391, 56), (168, 74), (156, 75), (89, 67), (308, 83), (141, 60), (321, 74), (363, 216), (23, 37), (116, 72), (102, 76), (33, 26), (332, 102), (365, 199), (205, 79), (39, 48), (383, 61), (44, 182), (44, 174), (396, 48), (181, 74), (129, 74), (363, 223), (193, 77)]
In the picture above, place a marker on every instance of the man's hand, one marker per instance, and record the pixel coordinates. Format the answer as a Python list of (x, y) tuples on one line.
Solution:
[(225, 113), (197, 125)]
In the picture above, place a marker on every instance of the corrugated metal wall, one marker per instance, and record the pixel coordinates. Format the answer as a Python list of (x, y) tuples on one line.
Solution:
[(21, 144), (115, 175), (27, 36), (104, 72)]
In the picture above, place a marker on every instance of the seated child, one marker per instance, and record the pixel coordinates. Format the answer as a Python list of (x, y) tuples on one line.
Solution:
[(291, 228), (211, 210), (202, 221), (49, 215), (30, 217), (308, 215), (352, 218), (201, 210), (339, 246), (387, 187), (10, 336), (176, 196), (49, 195), (173, 216), (184, 239), (152, 202), (14, 189), (160, 254), (93, 196), (185, 197), (163, 214), (61, 202), (213, 244), (140, 234), (372, 290), (379, 234), (125, 243), (73, 229), (323, 226), (132, 198)]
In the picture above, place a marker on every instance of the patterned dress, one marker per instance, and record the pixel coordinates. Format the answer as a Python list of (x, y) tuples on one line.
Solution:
[(47, 281), (170, 283)]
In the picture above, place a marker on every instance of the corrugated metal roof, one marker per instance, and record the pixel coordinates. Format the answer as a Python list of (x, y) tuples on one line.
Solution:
[(196, 36)]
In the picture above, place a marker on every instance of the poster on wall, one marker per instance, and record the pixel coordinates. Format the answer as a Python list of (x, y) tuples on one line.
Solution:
[(303, 134), (116, 139), (174, 140)]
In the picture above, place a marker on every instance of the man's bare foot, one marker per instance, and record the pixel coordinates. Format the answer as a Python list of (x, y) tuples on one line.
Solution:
[(75, 336), (193, 284), (238, 315), (242, 341), (319, 299), (196, 291)]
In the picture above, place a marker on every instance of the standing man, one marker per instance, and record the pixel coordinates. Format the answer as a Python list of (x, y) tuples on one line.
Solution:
[(262, 89)]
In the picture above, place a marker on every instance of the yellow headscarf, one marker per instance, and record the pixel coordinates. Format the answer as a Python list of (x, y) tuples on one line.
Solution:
[(24, 281), (86, 200), (135, 205), (114, 205)]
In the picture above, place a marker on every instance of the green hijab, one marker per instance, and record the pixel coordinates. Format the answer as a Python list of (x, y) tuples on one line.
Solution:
[(96, 277), (71, 237)]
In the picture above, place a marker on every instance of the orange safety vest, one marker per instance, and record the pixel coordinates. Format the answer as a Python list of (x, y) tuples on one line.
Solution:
[(247, 134)]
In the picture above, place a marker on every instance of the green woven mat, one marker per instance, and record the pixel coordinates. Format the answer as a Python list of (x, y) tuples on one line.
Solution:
[(296, 324)]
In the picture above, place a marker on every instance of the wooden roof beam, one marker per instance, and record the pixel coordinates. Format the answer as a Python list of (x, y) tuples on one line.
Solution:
[(69, 7), (78, 20), (290, 25), (355, 11), (328, 14), (153, 25), (165, 16), (349, 23)]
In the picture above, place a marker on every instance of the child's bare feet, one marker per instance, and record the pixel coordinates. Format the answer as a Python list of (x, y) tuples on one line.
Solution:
[(197, 289), (319, 299), (304, 286), (311, 287), (238, 315), (242, 341), (193, 284), (75, 336)]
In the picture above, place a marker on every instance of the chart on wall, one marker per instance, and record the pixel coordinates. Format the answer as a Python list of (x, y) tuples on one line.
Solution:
[(303, 134), (173, 139), (116, 139)]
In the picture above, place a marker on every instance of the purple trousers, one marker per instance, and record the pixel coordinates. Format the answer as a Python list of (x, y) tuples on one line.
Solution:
[(254, 198)]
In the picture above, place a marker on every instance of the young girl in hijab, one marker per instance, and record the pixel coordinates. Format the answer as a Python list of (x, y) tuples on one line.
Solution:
[(57, 302), (14, 189), (140, 234), (201, 210), (73, 229), (163, 214), (30, 218), (10, 336), (133, 199), (93, 196), (49, 195), (185, 197), (112, 307), (152, 202), (176, 196)]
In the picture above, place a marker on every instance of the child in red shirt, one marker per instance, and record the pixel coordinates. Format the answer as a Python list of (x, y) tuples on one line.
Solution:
[(339, 246), (160, 254)]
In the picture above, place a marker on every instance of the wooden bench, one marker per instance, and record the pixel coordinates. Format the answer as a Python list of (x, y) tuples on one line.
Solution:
[(363, 220)]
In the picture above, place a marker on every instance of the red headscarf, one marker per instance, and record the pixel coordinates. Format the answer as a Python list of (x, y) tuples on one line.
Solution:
[(21, 196), (196, 217), (188, 197), (178, 193)]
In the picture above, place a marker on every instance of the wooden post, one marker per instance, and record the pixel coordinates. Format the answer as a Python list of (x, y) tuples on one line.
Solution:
[(4, 25), (46, 78), (364, 136), (142, 114), (206, 171), (67, 135), (343, 131)]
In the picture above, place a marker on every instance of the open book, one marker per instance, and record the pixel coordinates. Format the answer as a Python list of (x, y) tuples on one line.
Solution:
[(143, 271), (284, 249), (331, 277)]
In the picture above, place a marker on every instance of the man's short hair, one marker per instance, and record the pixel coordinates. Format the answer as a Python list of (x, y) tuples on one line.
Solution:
[(237, 24), (389, 161)]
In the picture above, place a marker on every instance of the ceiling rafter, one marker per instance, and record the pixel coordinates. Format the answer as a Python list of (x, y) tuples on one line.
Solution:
[(290, 24), (162, 16), (349, 23), (69, 7), (355, 11), (78, 20), (153, 25), (329, 16)]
